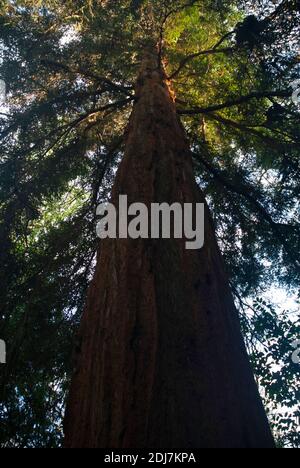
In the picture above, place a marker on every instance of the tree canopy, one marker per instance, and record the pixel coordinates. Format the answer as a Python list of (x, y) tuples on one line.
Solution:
[(70, 70)]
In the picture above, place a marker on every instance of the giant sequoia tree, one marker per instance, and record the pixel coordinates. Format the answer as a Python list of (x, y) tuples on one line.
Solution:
[(195, 100)]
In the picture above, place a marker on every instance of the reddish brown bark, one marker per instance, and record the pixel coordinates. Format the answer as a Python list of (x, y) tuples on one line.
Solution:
[(162, 362)]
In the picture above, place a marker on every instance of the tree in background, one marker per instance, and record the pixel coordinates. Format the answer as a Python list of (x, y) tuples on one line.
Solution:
[(61, 140)]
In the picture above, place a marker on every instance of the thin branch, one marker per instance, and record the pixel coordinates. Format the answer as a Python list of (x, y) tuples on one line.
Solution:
[(88, 74), (103, 168), (216, 49), (246, 193), (223, 39), (67, 128), (252, 131), (284, 5), (235, 102), (163, 24), (191, 57)]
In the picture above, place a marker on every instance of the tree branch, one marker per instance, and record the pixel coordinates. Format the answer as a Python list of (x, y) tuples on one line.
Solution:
[(164, 21), (68, 127), (246, 193), (80, 71), (191, 57), (252, 131), (235, 102), (223, 39)]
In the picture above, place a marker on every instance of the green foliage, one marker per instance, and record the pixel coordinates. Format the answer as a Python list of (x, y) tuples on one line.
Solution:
[(70, 69), (272, 335)]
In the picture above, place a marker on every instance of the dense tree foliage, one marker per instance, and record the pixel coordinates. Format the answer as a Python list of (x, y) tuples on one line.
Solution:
[(70, 69)]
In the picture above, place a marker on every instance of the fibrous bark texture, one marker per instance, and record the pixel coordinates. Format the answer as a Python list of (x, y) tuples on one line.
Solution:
[(162, 362)]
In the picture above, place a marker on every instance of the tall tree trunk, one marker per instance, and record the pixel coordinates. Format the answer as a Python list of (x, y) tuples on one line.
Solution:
[(162, 362)]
